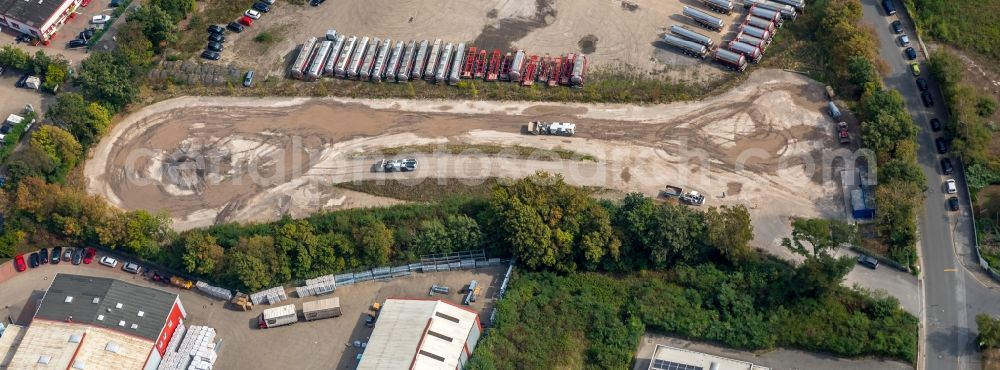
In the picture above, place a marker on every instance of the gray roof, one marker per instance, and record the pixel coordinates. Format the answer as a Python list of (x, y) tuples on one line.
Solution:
[(154, 304), (32, 13)]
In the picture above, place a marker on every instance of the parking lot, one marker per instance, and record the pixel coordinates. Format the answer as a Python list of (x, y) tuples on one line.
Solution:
[(13, 99), (68, 32), (308, 345)]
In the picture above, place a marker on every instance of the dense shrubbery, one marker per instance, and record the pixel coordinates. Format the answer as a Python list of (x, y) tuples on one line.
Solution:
[(966, 24), (592, 321)]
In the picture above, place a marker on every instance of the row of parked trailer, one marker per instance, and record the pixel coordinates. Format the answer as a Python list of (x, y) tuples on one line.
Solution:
[(369, 58), (753, 36)]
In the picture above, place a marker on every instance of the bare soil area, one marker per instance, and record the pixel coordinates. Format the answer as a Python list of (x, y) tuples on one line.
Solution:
[(211, 160), (609, 34)]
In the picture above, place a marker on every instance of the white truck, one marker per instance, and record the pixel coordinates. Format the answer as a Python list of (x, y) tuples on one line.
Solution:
[(321, 309), (551, 128), (277, 316), (393, 165)]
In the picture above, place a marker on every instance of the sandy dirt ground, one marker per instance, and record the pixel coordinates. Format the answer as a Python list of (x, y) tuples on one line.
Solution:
[(609, 34), (211, 160)]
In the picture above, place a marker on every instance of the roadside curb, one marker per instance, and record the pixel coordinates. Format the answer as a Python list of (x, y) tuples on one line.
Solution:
[(922, 326)]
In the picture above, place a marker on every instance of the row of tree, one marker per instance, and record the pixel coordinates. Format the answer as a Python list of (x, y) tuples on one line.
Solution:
[(53, 70), (887, 129)]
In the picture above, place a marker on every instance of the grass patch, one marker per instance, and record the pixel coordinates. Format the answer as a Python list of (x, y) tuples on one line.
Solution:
[(967, 24), (515, 151), (269, 36), (428, 190)]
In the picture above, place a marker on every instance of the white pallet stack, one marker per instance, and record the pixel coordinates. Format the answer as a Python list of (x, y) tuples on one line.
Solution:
[(195, 352), (271, 296), (317, 286)]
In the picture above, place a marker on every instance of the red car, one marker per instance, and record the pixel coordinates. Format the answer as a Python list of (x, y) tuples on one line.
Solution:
[(85, 3), (19, 264), (89, 255), (246, 20)]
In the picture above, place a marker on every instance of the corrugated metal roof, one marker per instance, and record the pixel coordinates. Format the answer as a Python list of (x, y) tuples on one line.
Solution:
[(116, 302), (32, 13), (418, 334)]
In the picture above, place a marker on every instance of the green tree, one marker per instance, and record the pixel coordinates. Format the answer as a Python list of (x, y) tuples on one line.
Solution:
[(14, 57), (249, 271), (107, 77), (134, 45), (989, 330), (60, 146), (432, 237), (55, 76), (375, 241), (729, 231), (177, 9), (158, 26), (139, 232), (202, 254), (463, 232), (86, 121), (666, 233)]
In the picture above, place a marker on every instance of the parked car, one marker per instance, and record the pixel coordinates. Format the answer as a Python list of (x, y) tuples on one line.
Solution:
[(890, 8), (927, 98), (116, 3), (20, 82), (214, 46), (248, 79), (84, 3), (869, 261), (33, 260), (946, 166), (235, 27), (950, 187), (43, 256), (67, 254), (935, 124), (942, 145), (316, 2), (76, 43), (109, 261), (87, 33), (89, 255), (904, 40), (269, 2), (262, 7), (246, 21), (897, 26), (910, 53), (216, 29), (131, 267), (922, 84), (100, 19), (56, 253), (216, 37), (210, 55), (77, 256), (953, 204), (915, 69), (252, 14), (19, 264)]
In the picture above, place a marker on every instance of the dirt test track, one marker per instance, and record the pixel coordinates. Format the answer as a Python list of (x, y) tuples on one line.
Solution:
[(207, 160)]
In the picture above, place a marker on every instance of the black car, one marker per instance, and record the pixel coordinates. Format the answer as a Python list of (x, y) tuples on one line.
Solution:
[(868, 261), (77, 256), (56, 253), (235, 27), (261, 7), (946, 166), (889, 7), (942, 145), (316, 2), (953, 203), (922, 84), (216, 37), (927, 98), (210, 55), (935, 124), (217, 29), (911, 54), (20, 81), (897, 27), (214, 46), (116, 3), (43, 256), (33, 260), (76, 43), (87, 33)]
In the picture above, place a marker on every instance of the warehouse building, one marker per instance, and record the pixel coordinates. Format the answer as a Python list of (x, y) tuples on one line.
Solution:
[(38, 18), (670, 358), (421, 334), (88, 322)]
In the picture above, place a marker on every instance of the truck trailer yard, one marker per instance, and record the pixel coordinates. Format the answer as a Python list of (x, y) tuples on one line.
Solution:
[(305, 345)]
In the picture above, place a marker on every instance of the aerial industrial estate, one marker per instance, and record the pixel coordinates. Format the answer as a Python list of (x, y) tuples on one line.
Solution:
[(486, 184)]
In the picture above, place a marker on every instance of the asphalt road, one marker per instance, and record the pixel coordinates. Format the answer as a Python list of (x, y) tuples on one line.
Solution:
[(954, 290)]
